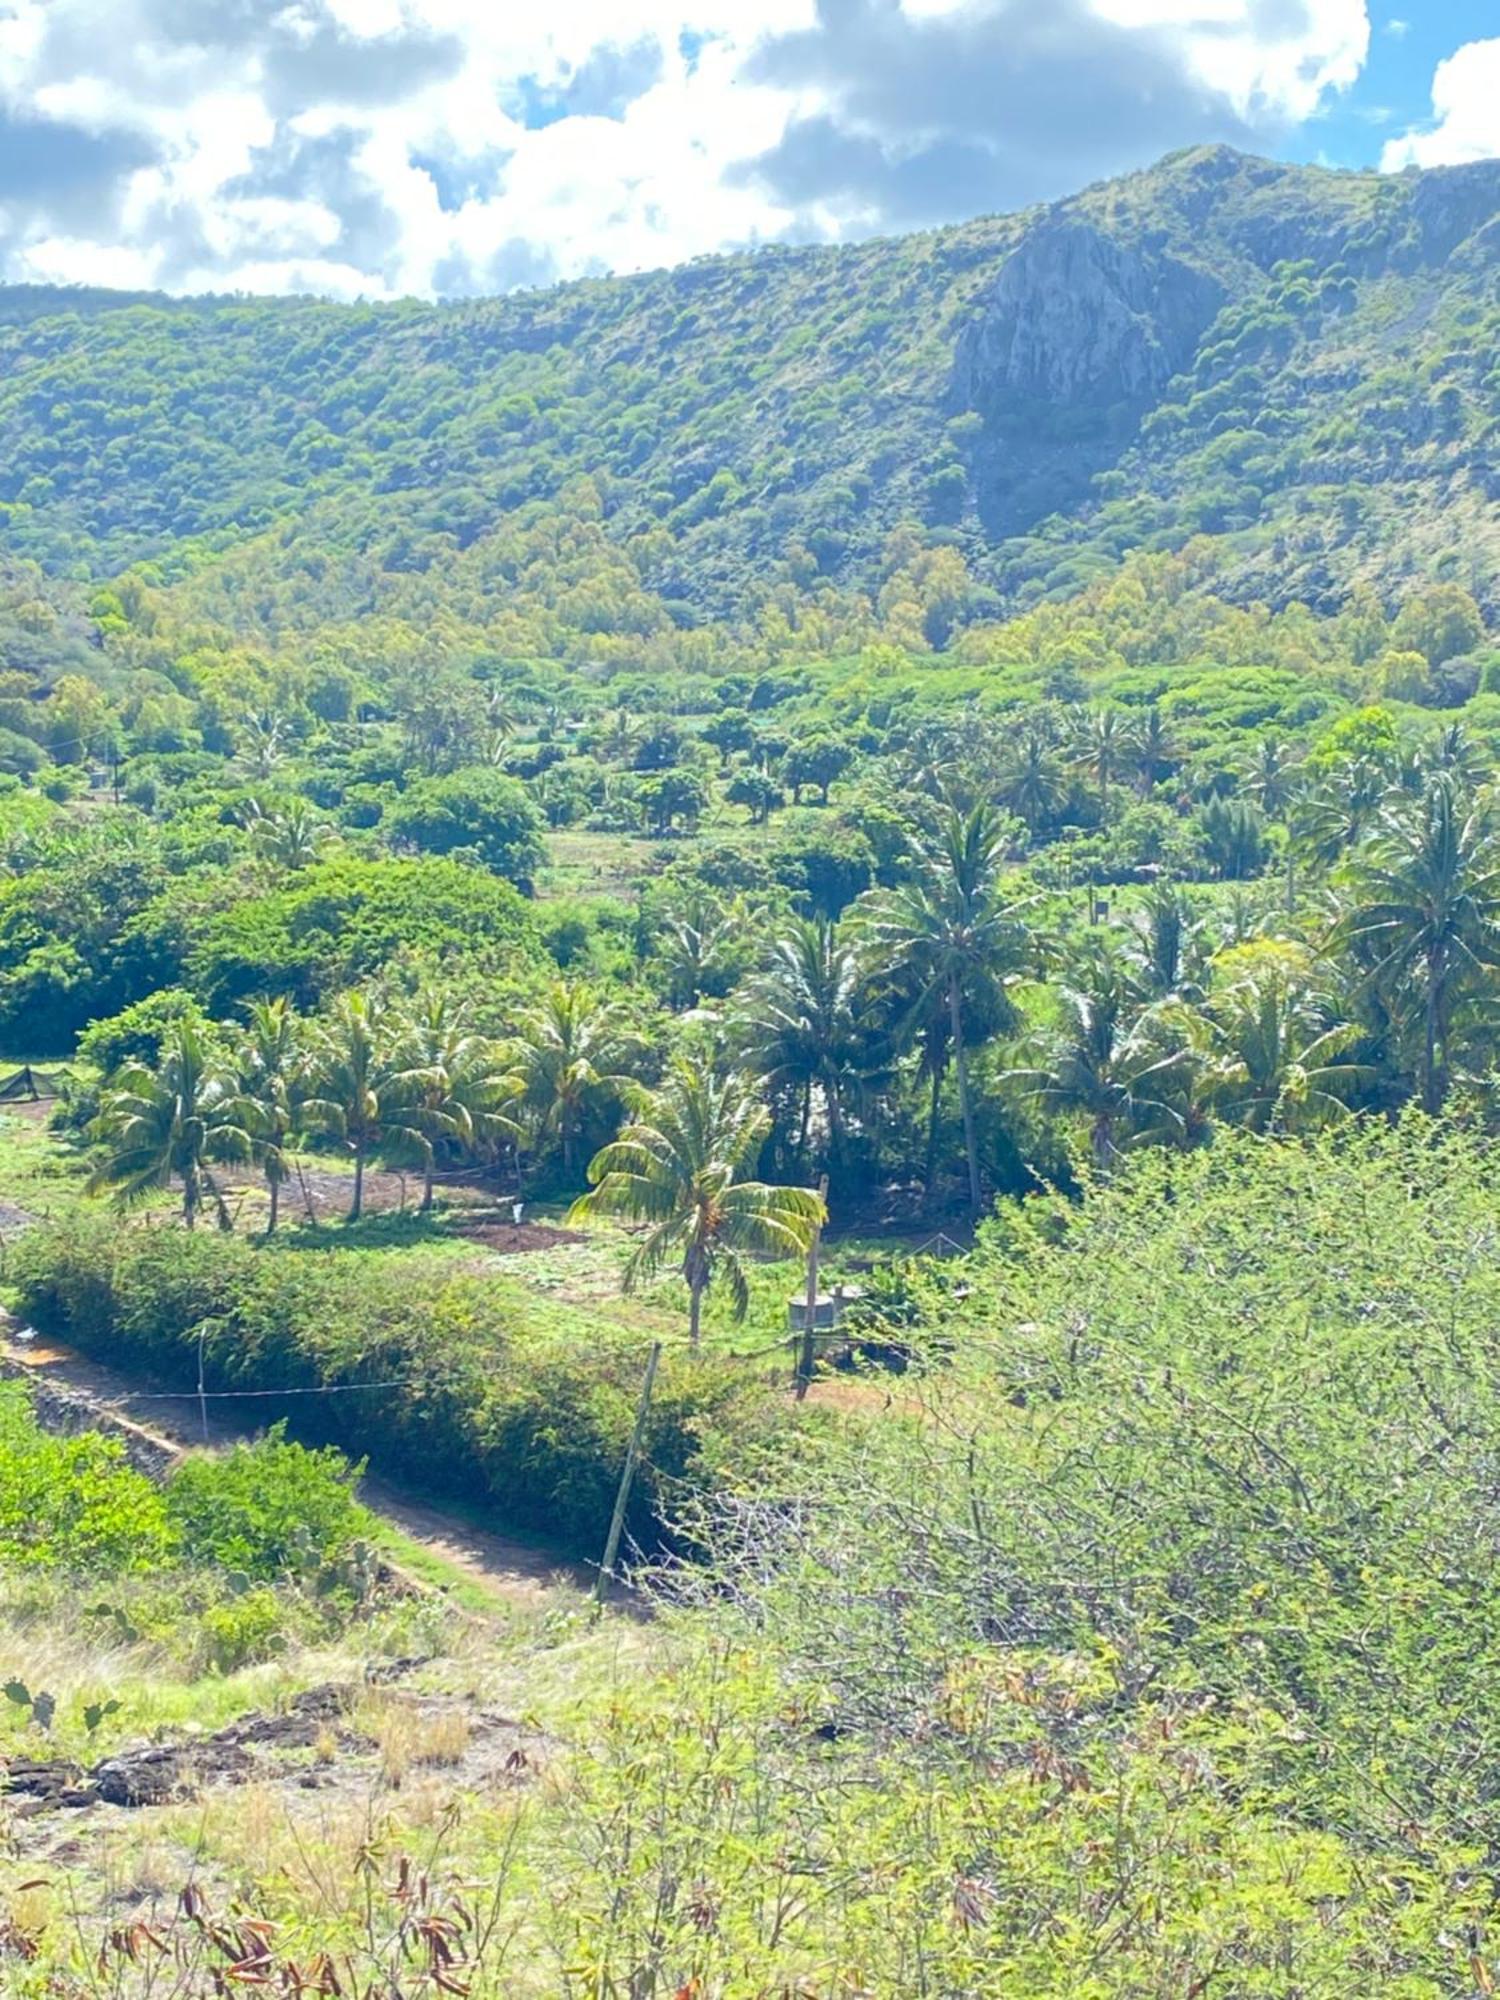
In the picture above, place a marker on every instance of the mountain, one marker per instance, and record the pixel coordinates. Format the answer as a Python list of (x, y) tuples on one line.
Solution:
[(1298, 364)]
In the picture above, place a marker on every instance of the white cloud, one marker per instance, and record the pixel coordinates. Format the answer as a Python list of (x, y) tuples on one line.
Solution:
[(395, 146), (1465, 113)]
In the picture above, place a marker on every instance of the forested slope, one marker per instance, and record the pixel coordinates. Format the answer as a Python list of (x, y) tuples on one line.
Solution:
[(1296, 363)]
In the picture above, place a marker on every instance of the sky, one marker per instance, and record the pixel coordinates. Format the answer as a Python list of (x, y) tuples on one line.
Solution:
[(385, 148)]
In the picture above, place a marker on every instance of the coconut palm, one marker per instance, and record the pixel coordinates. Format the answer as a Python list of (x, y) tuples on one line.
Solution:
[(1153, 755), (798, 1022), (1425, 910), (173, 1123), (356, 1084), (289, 836), (1116, 1066), (1269, 774), (571, 1056), (452, 1084), (950, 931), (273, 1067), (676, 1167), (1335, 814), (1101, 750), (1032, 781), (1280, 1055)]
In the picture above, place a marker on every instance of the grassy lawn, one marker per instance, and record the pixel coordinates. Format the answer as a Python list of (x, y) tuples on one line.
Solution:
[(600, 864)]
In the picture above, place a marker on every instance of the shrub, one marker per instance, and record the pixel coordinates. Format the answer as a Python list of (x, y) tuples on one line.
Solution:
[(243, 1631), (268, 1509), (74, 1503), (491, 1411)]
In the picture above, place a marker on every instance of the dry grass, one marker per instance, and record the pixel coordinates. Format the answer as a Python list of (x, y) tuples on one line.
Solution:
[(410, 1738)]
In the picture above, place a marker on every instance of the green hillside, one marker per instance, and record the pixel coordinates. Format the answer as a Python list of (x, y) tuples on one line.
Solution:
[(1293, 362)]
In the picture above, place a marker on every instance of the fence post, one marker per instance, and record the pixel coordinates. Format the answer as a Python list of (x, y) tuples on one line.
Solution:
[(622, 1498)]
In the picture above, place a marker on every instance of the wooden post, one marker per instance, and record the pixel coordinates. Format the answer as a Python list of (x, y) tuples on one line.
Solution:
[(622, 1498), (808, 1349), (202, 1389)]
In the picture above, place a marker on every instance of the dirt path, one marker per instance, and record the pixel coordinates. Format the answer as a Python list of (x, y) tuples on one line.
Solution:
[(164, 1426)]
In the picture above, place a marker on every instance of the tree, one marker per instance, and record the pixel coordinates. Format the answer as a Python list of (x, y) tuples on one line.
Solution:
[(354, 1083), (1107, 1064), (675, 1167), (174, 1122), (1269, 774), (289, 836), (729, 731), (1032, 782), (1153, 752), (479, 808), (670, 796), (816, 760), (273, 1067), (1280, 1054), (950, 931), (757, 790), (571, 1057), (1233, 834), (1426, 906), (799, 1023), (1439, 623), (1101, 750), (452, 1083), (1164, 946)]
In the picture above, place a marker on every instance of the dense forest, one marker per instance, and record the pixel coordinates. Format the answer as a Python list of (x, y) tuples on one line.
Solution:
[(986, 740)]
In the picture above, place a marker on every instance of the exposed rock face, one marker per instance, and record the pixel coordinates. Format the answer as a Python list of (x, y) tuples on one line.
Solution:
[(1077, 316), (1449, 204)]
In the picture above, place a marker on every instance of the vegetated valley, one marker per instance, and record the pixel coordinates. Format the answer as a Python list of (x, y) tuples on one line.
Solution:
[(954, 779)]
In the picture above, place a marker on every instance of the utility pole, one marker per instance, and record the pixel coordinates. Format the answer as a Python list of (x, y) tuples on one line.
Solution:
[(807, 1352), (622, 1498)]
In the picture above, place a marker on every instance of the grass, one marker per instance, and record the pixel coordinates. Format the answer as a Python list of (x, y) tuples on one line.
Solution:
[(600, 864)]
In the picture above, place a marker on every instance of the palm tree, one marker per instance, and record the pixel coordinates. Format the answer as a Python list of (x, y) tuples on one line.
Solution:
[(676, 1168), (355, 1083), (1269, 774), (451, 1082), (1153, 753), (288, 836), (1336, 813), (1101, 749), (1109, 1065), (1426, 905), (1032, 782), (696, 949), (950, 931), (1164, 945), (1280, 1057), (799, 1022), (173, 1123), (273, 1066), (571, 1057)]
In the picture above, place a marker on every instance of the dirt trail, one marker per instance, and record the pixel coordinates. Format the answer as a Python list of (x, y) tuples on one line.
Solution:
[(161, 1427)]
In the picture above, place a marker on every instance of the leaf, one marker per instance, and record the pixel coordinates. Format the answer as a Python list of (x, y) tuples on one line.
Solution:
[(18, 1692)]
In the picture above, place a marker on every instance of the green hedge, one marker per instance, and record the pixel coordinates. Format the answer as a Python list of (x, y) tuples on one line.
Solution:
[(529, 1428)]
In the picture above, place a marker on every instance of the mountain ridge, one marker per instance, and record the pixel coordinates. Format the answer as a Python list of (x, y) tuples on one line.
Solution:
[(1292, 361)]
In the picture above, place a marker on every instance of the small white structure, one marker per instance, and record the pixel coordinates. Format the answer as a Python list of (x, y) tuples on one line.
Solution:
[(828, 1311)]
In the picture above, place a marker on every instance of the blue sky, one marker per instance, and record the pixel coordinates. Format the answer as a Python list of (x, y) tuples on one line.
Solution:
[(1394, 91), (382, 148)]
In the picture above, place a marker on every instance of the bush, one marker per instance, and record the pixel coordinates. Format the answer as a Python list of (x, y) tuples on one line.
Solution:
[(74, 1503), (243, 1631), (268, 1509), (493, 1413)]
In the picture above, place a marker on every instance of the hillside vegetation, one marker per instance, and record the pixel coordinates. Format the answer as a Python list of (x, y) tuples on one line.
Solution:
[(964, 769)]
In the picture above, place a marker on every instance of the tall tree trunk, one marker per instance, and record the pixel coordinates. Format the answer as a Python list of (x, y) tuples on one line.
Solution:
[(934, 1111), (802, 1129), (1432, 1096), (357, 1206), (190, 1198), (695, 1311), (966, 1109), (273, 1185), (426, 1208)]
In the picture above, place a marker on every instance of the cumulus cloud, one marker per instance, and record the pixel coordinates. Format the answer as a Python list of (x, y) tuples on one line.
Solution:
[(1465, 121), (382, 147)]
